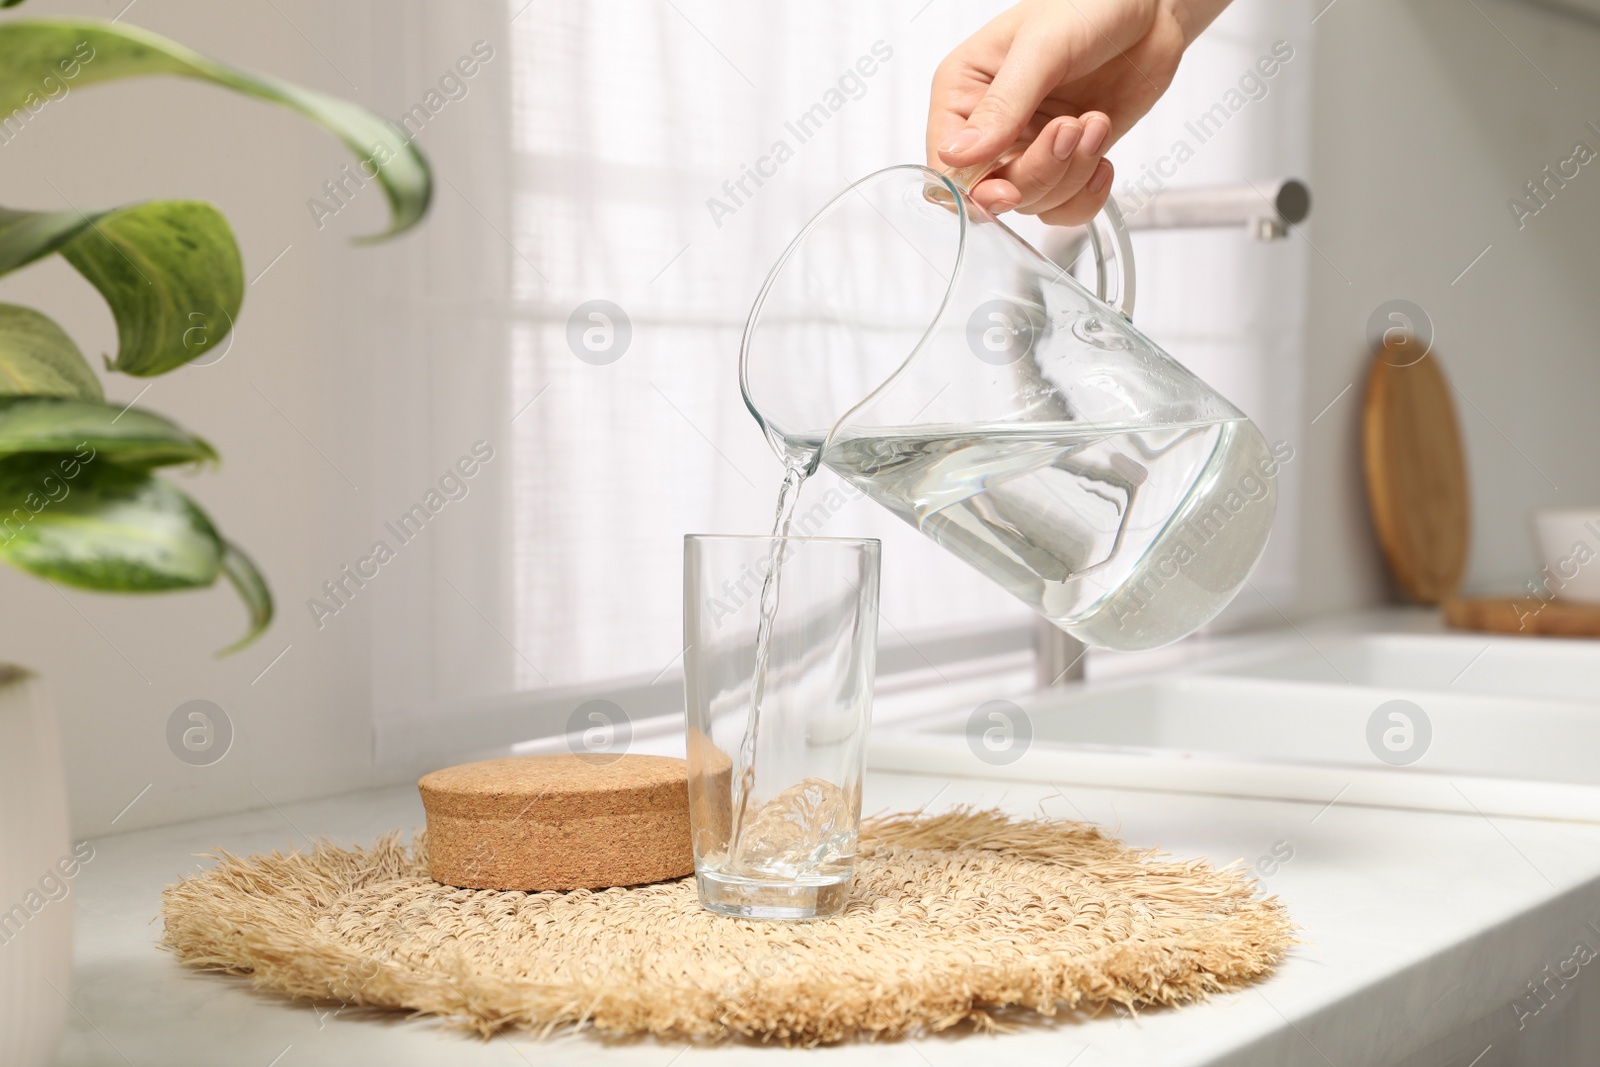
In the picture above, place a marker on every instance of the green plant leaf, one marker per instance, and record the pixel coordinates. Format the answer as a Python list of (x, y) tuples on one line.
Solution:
[(108, 528), (74, 53), (27, 235), (170, 271), (37, 358), (252, 589), (95, 432), (117, 530)]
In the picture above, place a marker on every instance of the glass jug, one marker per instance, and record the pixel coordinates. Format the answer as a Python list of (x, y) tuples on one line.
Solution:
[(919, 348)]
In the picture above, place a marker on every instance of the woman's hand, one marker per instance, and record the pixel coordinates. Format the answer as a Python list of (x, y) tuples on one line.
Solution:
[(1068, 78)]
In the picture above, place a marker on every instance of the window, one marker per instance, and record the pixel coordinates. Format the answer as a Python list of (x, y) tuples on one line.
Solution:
[(606, 211)]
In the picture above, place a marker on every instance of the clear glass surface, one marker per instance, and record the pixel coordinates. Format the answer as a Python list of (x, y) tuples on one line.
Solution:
[(915, 345), (775, 835)]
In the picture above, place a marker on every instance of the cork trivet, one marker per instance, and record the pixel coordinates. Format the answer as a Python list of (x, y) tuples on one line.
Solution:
[(558, 822)]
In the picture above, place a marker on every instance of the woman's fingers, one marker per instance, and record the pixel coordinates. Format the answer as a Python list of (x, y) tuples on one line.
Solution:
[(1086, 204), (1033, 176), (1078, 170), (996, 195), (1056, 168)]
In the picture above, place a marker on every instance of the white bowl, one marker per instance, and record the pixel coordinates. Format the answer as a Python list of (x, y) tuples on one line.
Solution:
[(1569, 548)]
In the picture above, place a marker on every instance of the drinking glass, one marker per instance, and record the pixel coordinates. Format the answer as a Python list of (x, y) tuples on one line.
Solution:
[(775, 810)]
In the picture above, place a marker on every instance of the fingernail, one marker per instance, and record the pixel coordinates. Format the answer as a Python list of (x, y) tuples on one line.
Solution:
[(1067, 136), (1102, 175), (1003, 204), (1094, 134), (962, 141)]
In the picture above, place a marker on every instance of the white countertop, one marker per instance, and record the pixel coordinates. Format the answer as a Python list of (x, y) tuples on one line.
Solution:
[(1420, 928)]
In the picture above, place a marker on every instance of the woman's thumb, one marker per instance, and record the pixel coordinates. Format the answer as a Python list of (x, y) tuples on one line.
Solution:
[(1003, 114)]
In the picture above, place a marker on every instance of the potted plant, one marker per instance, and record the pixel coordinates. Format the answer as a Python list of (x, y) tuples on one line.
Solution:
[(82, 502)]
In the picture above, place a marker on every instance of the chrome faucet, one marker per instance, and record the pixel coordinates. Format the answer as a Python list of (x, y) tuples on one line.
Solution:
[(1265, 211)]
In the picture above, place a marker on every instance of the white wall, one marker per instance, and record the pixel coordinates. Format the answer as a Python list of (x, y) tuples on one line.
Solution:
[(1426, 121), (119, 666)]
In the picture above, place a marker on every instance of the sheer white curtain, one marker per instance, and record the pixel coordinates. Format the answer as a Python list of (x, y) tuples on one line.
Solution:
[(646, 162), (641, 190)]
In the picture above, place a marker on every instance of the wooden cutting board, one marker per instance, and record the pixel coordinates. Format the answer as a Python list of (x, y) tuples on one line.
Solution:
[(1421, 506), (1524, 615), (1416, 472)]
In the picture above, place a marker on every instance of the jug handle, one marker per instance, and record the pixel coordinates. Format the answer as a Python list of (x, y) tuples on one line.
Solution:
[(1107, 236)]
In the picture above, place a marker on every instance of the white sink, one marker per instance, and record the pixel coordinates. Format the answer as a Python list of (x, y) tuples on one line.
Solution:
[(1560, 668), (1499, 726)]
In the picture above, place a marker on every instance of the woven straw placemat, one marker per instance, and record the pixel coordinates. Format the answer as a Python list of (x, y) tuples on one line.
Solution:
[(953, 917)]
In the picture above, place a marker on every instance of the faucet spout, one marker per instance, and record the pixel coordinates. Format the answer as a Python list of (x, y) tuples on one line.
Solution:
[(1266, 210)]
